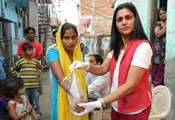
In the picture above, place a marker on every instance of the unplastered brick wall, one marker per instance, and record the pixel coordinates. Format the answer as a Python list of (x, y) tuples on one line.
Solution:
[(103, 26), (102, 7), (101, 12)]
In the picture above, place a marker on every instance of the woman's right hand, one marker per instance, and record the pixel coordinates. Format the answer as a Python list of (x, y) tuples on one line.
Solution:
[(79, 65)]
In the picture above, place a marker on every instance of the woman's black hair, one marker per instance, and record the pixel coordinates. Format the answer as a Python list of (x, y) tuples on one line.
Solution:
[(138, 32), (26, 45), (27, 30), (12, 87), (68, 26), (163, 8)]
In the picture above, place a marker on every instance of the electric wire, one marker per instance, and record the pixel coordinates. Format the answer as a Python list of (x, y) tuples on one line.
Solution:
[(92, 11), (95, 7)]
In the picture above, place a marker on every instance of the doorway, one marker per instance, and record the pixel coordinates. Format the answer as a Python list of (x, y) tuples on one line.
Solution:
[(155, 6)]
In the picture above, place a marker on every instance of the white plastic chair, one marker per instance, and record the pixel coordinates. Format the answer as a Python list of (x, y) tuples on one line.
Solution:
[(161, 103)]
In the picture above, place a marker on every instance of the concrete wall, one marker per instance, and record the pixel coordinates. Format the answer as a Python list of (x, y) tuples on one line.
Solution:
[(143, 8), (33, 16), (170, 55)]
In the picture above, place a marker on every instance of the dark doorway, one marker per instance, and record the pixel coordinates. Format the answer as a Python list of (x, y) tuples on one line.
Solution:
[(160, 3), (163, 3)]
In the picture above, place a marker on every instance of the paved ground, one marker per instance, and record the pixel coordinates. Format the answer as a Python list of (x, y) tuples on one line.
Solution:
[(45, 99)]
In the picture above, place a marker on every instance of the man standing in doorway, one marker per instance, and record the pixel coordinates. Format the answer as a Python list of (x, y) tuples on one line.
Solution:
[(30, 37)]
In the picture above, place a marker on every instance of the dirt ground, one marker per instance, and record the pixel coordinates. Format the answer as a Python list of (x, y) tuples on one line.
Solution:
[(45, 98)]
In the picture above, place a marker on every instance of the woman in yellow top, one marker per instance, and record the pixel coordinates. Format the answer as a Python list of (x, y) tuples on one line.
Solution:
[(59, 57)]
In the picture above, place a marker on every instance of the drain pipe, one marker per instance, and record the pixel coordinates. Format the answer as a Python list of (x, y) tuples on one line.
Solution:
[(2, 9)]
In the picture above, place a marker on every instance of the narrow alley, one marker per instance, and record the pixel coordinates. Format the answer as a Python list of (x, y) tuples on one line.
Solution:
[(45, 98)]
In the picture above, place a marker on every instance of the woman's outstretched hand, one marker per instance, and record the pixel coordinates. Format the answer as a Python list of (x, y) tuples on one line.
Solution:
[(79, 65), (88, 107)]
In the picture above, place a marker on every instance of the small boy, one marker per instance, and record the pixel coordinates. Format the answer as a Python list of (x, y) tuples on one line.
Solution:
[(29, 74)]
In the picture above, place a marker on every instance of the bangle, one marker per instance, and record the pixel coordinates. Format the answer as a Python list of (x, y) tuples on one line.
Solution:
[(26, 112)]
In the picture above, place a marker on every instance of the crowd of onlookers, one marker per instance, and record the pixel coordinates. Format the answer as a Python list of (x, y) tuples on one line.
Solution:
[(19, 95)]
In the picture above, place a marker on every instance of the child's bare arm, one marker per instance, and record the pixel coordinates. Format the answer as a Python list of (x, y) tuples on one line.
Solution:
[(30, 110), (29, 106), (13, 113), (33, 113)]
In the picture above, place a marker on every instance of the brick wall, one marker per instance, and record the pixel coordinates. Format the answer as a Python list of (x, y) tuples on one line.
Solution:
[(101, 12), (103, 26)]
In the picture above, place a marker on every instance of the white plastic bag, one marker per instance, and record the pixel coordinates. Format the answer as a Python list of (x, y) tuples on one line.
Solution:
[(76, 95)]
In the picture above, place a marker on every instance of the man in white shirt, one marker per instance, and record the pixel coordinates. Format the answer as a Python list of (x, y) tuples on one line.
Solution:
[(98, 86)]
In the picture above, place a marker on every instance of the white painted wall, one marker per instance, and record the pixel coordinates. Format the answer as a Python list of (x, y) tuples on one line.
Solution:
[(170, 56), (33, 16)]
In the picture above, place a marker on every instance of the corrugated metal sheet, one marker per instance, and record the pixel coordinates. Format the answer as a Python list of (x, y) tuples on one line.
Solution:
[(2, 19)]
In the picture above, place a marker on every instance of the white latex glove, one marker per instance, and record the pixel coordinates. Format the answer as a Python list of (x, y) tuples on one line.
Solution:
[(89, 107), (79, 65)]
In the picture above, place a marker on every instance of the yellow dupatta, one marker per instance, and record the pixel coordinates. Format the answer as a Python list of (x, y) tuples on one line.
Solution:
[(64, 111)]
